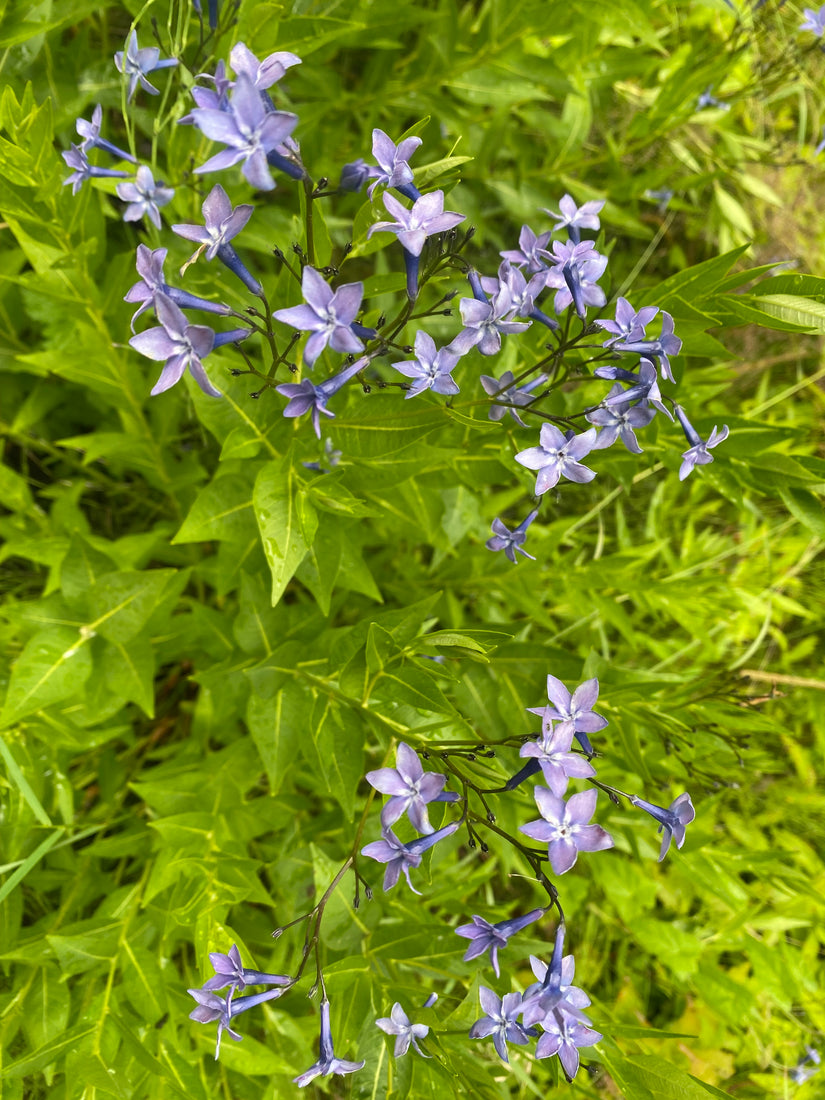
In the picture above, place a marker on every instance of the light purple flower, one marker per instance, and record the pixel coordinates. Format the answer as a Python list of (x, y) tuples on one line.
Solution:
[(706, 99), (554, 990), (574, 274), (328, 315), (182, 346), (576, 218), (248, 130), (644, 385), (90, 132), (411, 789), (564, 827), (511, 541), (484, 322), (354, 175), (412, 227), (393, 169), (672, 821), (698, 454), (211, 1007), (327, 1062), (262, 74), (401, 857), (76, 159), (523, 294), (149, 264), (553, 753), (136, 63), (564, 1036), (399, 1024), (530, 252), (662, 348), (221, 224), (431, 369), (144, 197), (629, 324), (574, 712), (814, 21), (230, 971), (506, 389), (304, 396), (500, 1020), (491, 937), (558, 456), (618, 419)]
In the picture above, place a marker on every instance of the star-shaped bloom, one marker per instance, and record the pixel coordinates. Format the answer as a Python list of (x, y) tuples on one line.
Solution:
[(211, 1007), (814, 21), (399, 1024), (574, 712), (328, 315), (672, 821), (490, 937), (576, 270), (484, 322), (662, 348), (401, 857), (511, 541), (553, 753), (248, 130), (182, 346), (262, 74), (618, 419), (230, 971), (564, 1036), (576, 218), (629, 324), (698, 454), (554, 990), (431, 369), (136, 63), (90, 132), (644, 386), (305, 396), (530, 252), (144, 197), (564, 827), (500, 1020), (327, 1062), (506, 389), (149, 264), (393, 168), (412, 227), (558, 456), (76, 159), (221, 224), (523, 293), (410, 787)]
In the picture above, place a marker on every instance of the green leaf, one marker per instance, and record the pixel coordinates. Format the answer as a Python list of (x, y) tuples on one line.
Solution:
[(222, 510), (806, 507), (337, 749), (286, 519), (646, 1077), (122, 603), (278, 728), (49, 1053), (804, 312), (129, 670), (46, 1008), (54, 665)]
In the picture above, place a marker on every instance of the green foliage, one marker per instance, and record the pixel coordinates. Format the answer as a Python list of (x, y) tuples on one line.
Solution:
[(208, 642)]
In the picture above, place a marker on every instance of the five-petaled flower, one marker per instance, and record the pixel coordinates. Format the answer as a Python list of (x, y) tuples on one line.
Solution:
[(393, 169), (490, 937), (630, 324), (78, 161), (327, 314), (511, 541), (574, 712), (484, 322), (575, 218), (399, 1024), (665, 345), (558, 456), (410, 788), (327, 1062), (500, 1020), (426, 217), (144, 197), (221, 224), (814, 20), (249, 131), (506, 389), (553, 753), (211, 1007), (672, 821), (182, 346), (262, 74), (431, 369), (698, 454), (401, 857), (617, 418), (136, 63), (305, 396), (230, 971), (564, 827)]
